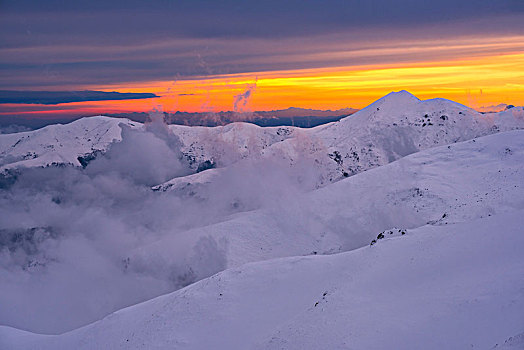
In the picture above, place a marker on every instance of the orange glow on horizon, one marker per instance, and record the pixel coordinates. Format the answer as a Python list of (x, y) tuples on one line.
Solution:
[(477, 82)]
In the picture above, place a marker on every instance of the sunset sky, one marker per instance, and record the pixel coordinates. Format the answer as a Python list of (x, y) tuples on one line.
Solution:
[(258, 55)]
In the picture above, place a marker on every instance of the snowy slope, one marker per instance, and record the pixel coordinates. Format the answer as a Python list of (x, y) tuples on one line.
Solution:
[(512, 343), (229, 143), (440, 186), (187, 184), (438, 287), (60, 144)]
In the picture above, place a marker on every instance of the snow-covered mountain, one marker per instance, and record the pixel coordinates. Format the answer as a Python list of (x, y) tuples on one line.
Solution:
[(392, 127), (397, 125), (60, 144), (391, 228), (409, 292), (81, 141)]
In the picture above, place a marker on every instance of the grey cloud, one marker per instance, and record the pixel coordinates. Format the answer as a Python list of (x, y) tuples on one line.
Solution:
[(76, 67), (56, 97), (53, 44), (205, 19)]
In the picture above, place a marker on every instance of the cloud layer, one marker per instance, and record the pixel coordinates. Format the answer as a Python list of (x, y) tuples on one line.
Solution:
[(77, 44), (68, 235)]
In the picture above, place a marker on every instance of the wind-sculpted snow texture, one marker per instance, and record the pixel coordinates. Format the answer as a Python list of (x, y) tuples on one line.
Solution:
[(105, 213)]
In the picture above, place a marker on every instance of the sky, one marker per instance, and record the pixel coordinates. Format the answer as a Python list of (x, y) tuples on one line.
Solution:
[(255, 55)]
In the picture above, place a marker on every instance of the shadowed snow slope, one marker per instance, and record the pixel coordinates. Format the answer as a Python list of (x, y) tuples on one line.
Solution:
[(410, 292)]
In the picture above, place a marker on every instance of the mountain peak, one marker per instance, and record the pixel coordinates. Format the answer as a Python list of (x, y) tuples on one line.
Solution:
[(393, 100), (400, 96)]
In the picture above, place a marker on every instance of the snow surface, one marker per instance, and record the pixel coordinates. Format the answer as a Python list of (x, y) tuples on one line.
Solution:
[(512, 343)]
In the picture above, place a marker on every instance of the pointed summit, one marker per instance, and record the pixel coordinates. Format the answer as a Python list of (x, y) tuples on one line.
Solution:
[(402, 94), (397, 97), (392, 101)]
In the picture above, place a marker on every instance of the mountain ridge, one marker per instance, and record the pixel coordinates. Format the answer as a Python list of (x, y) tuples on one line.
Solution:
[(416, 125)]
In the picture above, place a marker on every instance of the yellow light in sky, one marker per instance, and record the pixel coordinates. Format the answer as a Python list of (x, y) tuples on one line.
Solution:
[(475, 82)]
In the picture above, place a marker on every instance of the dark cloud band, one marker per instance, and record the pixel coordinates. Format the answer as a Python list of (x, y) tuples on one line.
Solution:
[(56, 97)]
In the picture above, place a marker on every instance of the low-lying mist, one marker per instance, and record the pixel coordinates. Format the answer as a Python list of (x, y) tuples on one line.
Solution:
[(66, 232)]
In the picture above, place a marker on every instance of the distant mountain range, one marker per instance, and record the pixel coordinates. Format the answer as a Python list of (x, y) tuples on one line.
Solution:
[(392, 127), (299, 117), (292, 116)]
